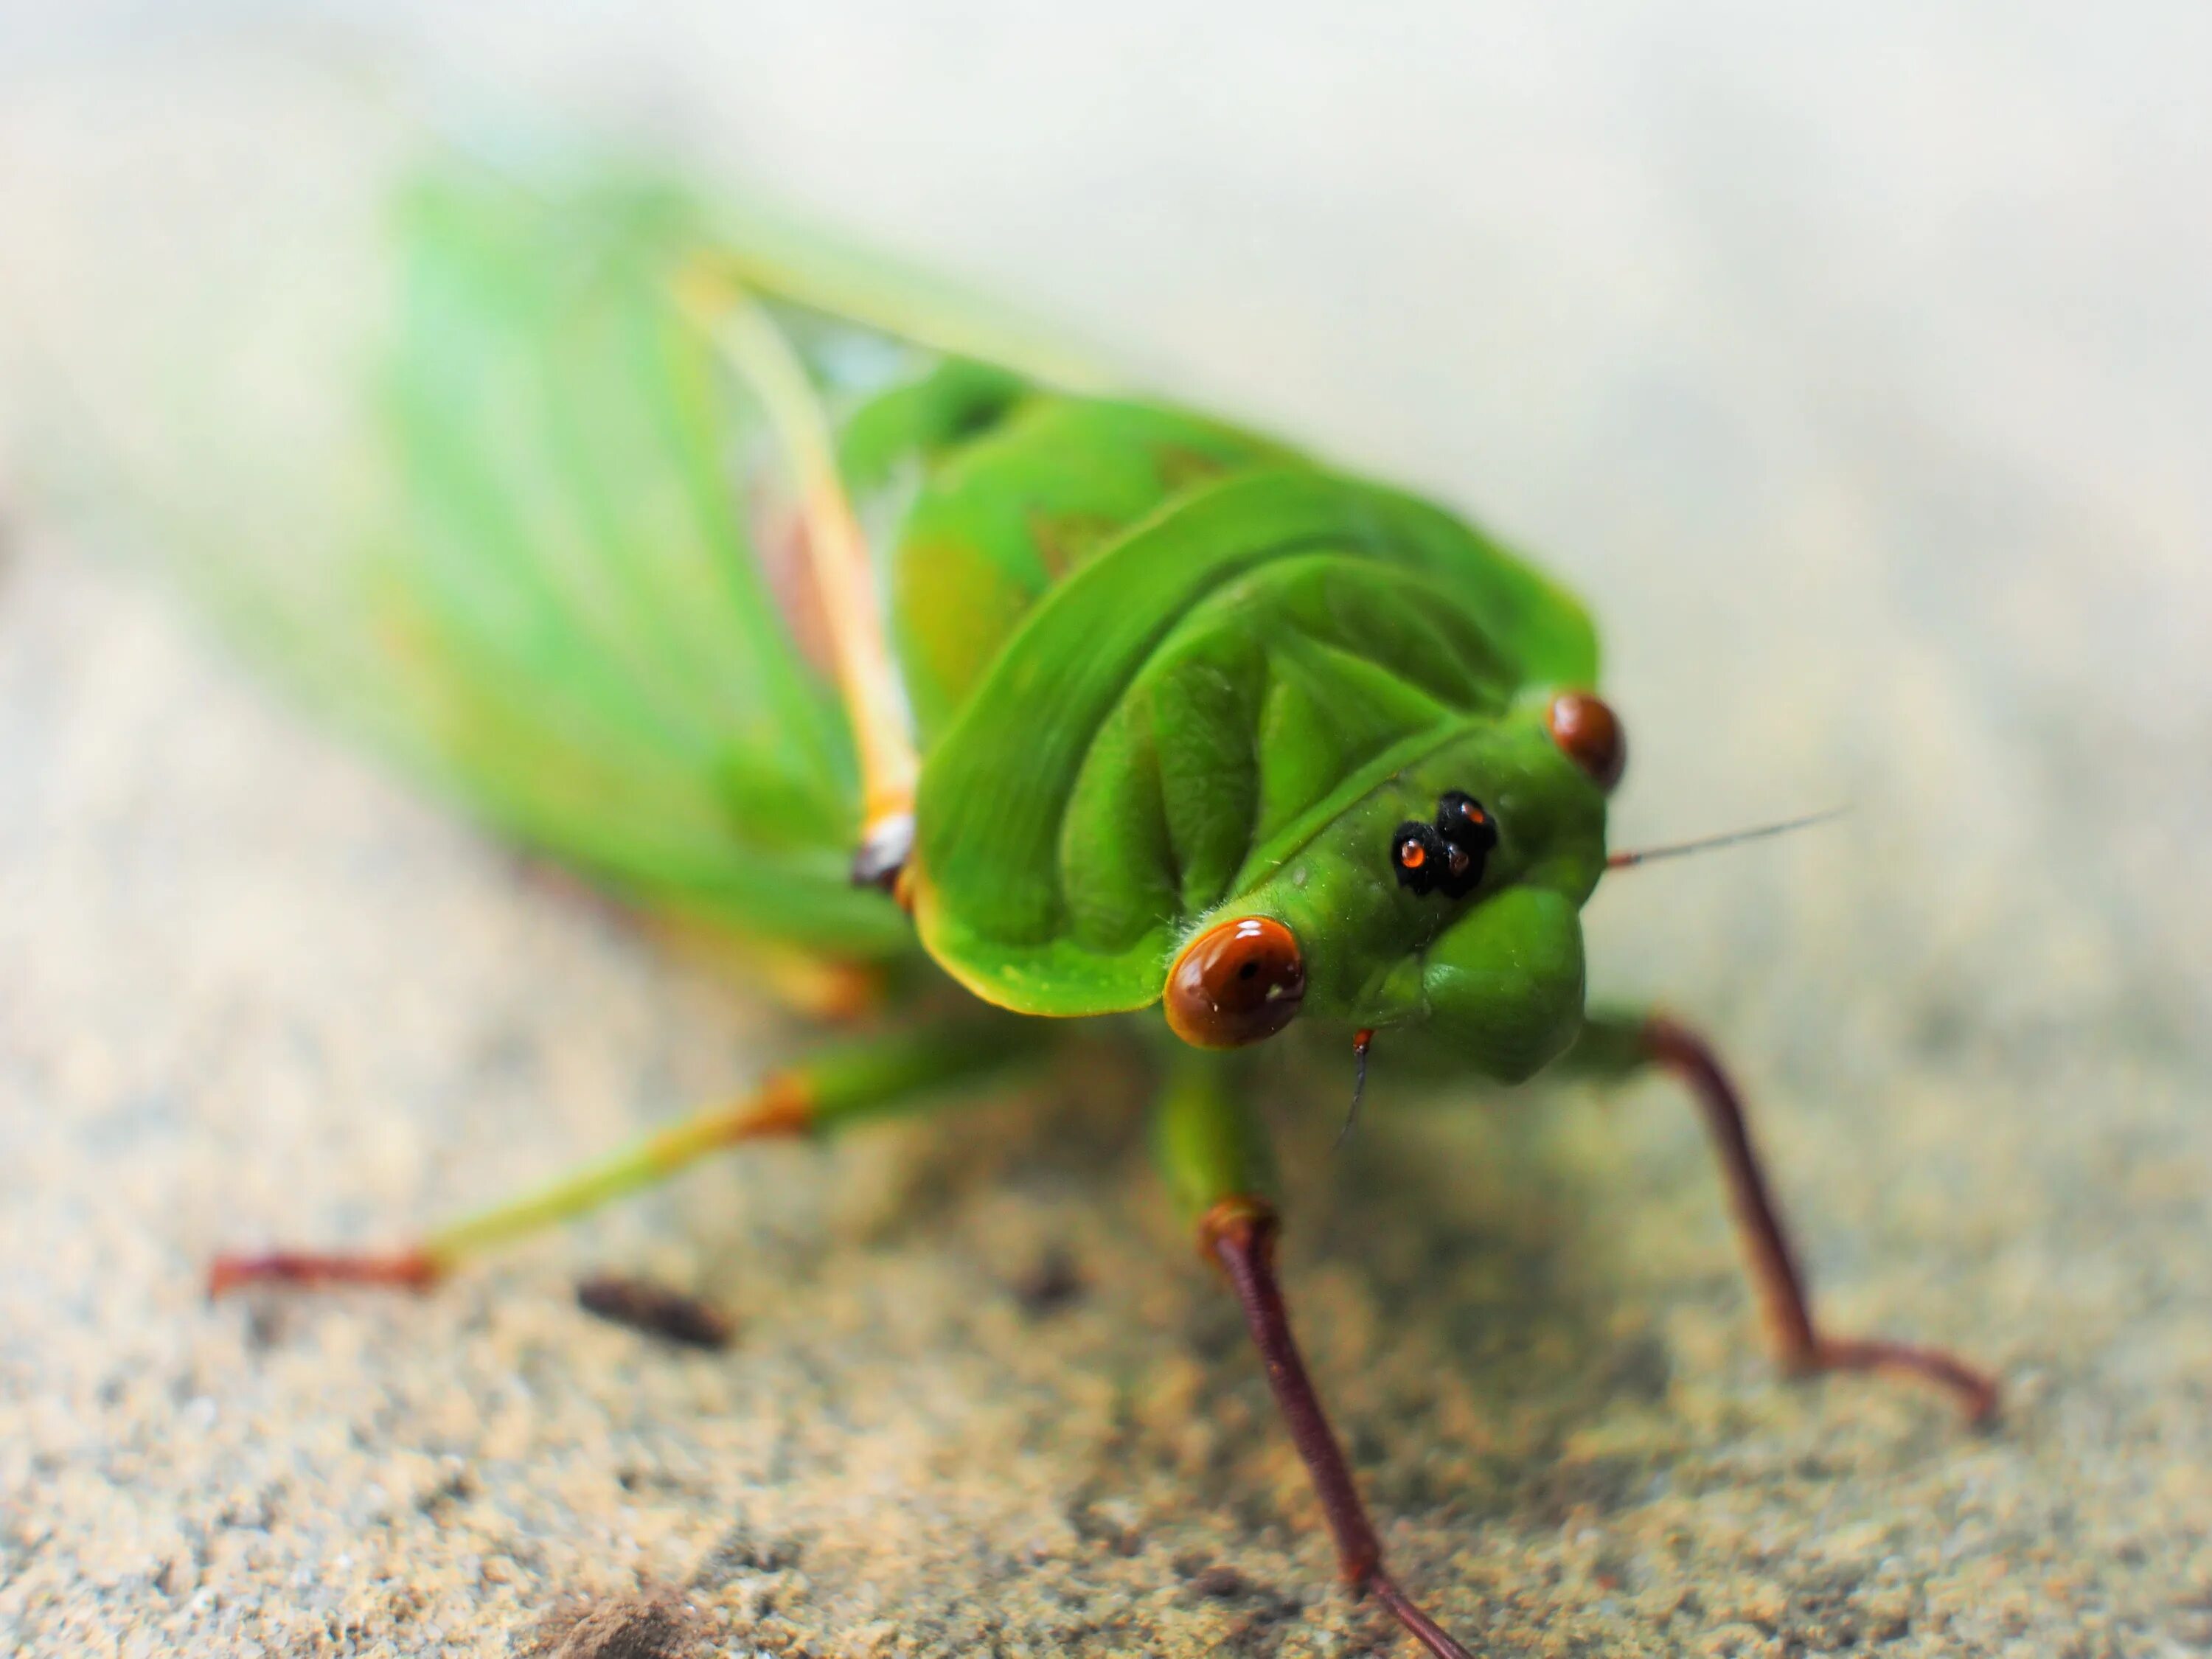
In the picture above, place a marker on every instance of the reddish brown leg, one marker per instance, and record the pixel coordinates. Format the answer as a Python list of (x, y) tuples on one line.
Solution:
[(1804, 1348), (401, 1270), (1239, 1234)]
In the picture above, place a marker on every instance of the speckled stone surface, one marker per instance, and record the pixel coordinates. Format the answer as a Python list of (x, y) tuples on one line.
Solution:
[(1862, 377)]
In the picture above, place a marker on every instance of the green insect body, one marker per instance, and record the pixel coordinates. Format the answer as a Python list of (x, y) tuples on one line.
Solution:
[(1162, 671), (1198, 719)]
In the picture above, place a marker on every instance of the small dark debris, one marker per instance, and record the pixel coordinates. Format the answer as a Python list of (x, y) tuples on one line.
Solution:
[(1258, 1608), (654, 1625), (1221, 1583), (655, 1309), (742, 1551), (457, 1487), (1094, 1527), (1052, 1284), (265, 1327)]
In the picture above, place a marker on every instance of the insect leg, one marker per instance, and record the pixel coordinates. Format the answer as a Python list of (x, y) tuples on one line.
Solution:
[(1214, 1157), (1621, 1045), (829, 1093), (804, 982)]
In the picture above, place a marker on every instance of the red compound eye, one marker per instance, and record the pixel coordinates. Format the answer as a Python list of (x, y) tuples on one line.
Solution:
[(1418, 853), (1236, 982), (1590, 736)]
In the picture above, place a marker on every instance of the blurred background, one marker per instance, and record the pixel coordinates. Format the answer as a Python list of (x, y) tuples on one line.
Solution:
[(1855, 363)]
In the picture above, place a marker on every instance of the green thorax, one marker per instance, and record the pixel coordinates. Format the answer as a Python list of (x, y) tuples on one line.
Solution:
[(1012, 489)]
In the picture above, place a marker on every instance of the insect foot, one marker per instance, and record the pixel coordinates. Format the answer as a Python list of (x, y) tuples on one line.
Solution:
[(1239, 1234), (1779, 1282)]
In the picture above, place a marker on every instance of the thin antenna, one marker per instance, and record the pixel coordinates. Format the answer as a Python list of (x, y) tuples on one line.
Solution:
[(1359, 1047), (1707, 843)]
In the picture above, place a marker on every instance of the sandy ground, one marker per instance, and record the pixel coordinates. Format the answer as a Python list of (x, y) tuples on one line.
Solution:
[(1861, 378)]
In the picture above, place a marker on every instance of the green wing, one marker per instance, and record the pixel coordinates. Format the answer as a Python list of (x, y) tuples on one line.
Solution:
[(566, 584), (571, 600), (578, 628)]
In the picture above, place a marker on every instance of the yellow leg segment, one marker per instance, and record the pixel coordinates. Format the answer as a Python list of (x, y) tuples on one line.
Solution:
[(827, 1093)]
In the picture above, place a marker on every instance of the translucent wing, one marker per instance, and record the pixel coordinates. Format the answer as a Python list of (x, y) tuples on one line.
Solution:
[(552, 554), (571, 611)]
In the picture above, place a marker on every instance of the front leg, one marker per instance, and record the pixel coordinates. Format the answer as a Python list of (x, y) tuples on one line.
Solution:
[(1212, 1155), (1618, 1046)]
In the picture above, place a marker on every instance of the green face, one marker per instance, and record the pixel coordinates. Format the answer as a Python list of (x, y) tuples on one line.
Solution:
[(1386, 918)]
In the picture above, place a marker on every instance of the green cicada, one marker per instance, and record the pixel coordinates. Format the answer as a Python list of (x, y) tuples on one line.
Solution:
[(818, 612)]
